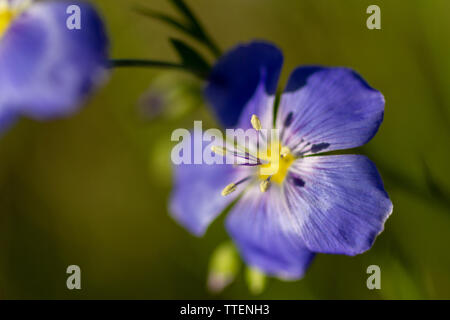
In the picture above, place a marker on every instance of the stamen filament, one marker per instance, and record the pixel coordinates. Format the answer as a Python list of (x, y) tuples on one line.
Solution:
[(256, 124), (299, 148), (232, 187), (243, 154), (229, 189), (219, 150)]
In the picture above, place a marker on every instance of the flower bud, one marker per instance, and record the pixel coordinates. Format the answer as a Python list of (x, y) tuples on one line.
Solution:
[(223, 267)]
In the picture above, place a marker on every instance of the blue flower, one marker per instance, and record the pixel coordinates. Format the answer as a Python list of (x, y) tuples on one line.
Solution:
[(332, 204), (46, 69)]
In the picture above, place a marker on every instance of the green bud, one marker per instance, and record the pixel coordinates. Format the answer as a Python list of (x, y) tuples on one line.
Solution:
[(172, 96), (223, 267), (256, 280)]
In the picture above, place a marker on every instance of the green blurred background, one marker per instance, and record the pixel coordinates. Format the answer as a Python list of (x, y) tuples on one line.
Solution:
[(92, 190)]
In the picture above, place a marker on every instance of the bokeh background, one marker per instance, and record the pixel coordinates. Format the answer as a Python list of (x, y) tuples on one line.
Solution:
[(92, 190)]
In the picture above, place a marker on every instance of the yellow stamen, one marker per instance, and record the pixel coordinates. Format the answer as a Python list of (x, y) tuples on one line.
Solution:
[(6, 16), (229, 189), (278, 163), (8, 13), (256, 123), (284, 152), (264, 185), (219, 150)]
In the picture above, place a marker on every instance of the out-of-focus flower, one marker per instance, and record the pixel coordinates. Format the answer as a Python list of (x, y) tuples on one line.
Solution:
[(312, 204), (46, 68), (171, 95)]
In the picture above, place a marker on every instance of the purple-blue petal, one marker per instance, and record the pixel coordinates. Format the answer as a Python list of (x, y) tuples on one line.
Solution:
[(260, 104), (235, 78), (340, 206), (196, 198), (7, 119), (47, 70), (265, 234), (330, 109)]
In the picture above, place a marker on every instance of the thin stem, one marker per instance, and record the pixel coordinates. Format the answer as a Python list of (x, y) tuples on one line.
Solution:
[(144, 63), (120, 63)]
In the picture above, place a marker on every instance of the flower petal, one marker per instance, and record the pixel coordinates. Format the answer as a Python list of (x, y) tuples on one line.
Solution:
[(47, 70), (260, 104), (7, 118), (196, 198), (235, 78), (262, 228), (339, 202), (330, 109)]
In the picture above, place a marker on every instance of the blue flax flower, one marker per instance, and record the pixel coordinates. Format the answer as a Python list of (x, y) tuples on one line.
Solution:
[(332, 204), (46, 68)]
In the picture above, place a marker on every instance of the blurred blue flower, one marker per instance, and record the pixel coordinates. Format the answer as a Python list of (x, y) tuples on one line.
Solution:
[(313, 204), (46, 69)]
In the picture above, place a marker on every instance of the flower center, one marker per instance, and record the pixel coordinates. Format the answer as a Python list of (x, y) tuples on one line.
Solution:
[(8, 12), (6, 16), (278, 165), (273, 160)]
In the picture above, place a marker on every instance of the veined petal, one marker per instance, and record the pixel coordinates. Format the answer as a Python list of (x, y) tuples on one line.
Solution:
[(47, 70), (340, 205), (235, 78), (260, 104), (264, 233), (331, 109), (196, 198)]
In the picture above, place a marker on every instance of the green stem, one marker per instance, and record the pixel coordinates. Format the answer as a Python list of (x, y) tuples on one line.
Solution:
[(129, 63), (144, 63)]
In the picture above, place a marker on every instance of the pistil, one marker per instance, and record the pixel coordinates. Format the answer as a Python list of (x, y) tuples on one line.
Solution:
[(273, 162)]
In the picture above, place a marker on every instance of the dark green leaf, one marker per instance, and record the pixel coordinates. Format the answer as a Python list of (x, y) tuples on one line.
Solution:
[(197, 30), (185, 11), (164, 18), (190, 57), (191, 26)]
